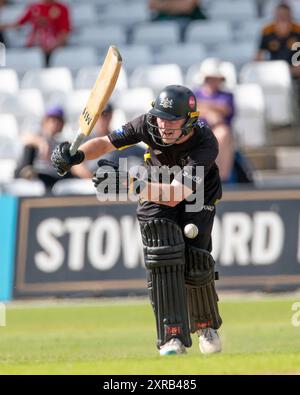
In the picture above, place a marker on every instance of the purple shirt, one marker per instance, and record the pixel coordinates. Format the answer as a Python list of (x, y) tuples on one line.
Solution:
[(218, 97)]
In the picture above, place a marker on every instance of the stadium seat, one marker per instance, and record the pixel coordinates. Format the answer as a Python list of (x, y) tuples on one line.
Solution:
[(274, 180), (20, 187), (250, 122), (238, 53), (101, 36), (118, 119), (135, 102), (125, 13), (48, 80), (30, 124), (8, 126), (17, 38), (27, 102), (86, 77), (73, 187), (9, 82), (250, 30), (83, 15), (75, 102), (287, 158), (8, 167), (136, 55), (182, 54), (232, 10), (275, 79), (157, 34), (24, 59), (193, 78), (10, 145), (11, 13), (209, 32), (156, 77), (74, 58)]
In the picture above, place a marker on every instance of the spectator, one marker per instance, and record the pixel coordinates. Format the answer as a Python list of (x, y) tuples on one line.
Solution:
[(38, 147), (278, 38), (176, 9), (216, 107), (134, 154), (50, 25)]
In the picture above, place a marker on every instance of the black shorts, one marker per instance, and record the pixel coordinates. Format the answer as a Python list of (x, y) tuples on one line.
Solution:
[(203, 220)]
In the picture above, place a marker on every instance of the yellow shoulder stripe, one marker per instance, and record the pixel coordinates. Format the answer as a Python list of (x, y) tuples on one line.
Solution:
[(125, 146)]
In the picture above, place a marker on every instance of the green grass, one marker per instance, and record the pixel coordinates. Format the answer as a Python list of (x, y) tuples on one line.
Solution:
[(110, 338)]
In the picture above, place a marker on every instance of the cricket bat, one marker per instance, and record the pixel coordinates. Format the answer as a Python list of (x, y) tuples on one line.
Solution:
[(99, 96)]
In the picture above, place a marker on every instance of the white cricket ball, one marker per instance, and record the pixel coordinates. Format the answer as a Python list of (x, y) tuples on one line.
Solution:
[(190, 231)]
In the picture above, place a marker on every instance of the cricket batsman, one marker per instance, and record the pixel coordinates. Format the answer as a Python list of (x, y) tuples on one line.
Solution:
[(180, 268)]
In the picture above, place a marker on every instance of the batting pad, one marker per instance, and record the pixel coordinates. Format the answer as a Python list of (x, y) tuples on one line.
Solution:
[(201, 293)]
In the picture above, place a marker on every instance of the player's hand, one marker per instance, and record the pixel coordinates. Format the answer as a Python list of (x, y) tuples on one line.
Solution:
[(108, 175), (113, 180), (62, 159), (138, 178)]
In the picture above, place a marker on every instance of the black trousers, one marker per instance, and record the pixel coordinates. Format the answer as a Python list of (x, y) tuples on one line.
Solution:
[(203, 220)]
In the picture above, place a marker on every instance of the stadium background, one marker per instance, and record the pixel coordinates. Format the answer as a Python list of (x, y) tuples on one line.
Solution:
[(257, 232)]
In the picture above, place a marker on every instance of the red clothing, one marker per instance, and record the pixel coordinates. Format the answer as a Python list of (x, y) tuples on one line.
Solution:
[(48, 21)]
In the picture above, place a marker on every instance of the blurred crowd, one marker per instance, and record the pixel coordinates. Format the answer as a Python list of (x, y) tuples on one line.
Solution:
[(51, 28)]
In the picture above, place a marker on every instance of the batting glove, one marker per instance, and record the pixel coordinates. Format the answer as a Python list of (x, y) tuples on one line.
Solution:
[(62, 160)]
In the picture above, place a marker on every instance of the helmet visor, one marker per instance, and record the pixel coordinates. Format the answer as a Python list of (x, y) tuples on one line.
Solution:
[(164, 115)]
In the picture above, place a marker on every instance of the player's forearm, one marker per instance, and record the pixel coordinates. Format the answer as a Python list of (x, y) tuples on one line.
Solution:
[(96, 147), (81, 171), (161, 194)]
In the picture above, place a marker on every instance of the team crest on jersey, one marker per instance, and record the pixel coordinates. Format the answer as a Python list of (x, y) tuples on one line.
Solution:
[(166, 103)]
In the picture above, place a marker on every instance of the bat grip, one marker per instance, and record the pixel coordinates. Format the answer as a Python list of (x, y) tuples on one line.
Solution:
[(73, 148), (76, 142)]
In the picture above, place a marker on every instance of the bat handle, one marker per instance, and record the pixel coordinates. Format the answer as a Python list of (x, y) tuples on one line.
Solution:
[(74, 147), (76, 142)]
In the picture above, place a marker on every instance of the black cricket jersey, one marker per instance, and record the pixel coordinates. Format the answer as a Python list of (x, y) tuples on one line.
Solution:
[(200, 150), (280, 48)]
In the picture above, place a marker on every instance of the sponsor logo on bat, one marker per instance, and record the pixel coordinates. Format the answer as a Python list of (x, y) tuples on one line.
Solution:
[(87, 117)]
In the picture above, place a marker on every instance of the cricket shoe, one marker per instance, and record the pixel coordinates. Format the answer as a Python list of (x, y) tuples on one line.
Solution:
[(209, 341), (172, 347)]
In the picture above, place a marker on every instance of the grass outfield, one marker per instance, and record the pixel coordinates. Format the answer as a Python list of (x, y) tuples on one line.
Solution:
[(119, 338)]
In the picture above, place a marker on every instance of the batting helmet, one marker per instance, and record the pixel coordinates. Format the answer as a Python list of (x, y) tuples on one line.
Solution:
[(173, 102)]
